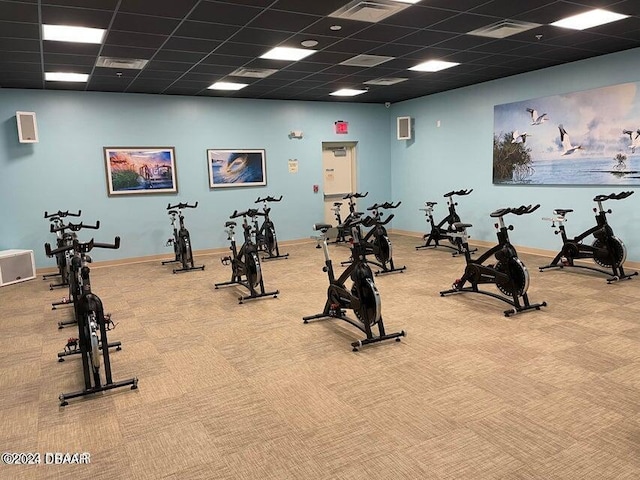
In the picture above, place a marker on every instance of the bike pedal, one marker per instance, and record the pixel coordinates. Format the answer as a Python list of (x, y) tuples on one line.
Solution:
[(226, 260)]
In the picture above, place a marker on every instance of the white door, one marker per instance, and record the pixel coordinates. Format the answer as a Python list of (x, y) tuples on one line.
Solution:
[(338, 165)]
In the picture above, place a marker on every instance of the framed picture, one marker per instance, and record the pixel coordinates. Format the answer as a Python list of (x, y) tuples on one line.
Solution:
[(140, 170), (589, 137), (236, 168)]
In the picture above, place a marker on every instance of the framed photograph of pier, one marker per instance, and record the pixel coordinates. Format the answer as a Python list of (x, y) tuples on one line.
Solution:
[(140, 170), (236, 168), (590, 137)]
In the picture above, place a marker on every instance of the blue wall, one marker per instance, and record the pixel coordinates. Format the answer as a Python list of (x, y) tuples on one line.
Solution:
[(459, 153), (65, 170)]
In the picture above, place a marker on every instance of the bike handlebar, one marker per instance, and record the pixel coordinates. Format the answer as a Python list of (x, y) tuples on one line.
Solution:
[(268, 199), (521, 210), (81, 246), (74, 227), (458, 192), (613, 196), (384, 205), (181, 206), (252, 212), (62, 214), (355, 195)]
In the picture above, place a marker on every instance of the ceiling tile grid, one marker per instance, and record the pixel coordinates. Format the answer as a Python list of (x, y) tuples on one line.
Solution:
[(190, 44)]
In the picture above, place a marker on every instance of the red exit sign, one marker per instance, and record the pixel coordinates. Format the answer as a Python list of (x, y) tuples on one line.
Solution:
[(342, 127)]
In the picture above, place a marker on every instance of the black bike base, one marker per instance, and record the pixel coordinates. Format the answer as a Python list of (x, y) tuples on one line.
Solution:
[(65, 323), (188, 269), (455, 253), (611, 279), (384, 270), (58, 285), (359, 343), (64, 301), (77, 351), (49, 275), (275, 257), (102, 388), (253, 295), (517, 308)]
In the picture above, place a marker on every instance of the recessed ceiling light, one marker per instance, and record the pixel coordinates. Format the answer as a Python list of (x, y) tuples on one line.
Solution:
[(309, 43), (64, 33), (589, 19), (433, 66), (335, 28), (286, 53), (407, 1), (347, 92), (227, 86), (65, 77)]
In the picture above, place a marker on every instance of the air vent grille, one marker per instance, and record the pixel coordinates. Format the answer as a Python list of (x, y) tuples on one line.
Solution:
[(371, 11), (504, 28), (253, 72), (366, 61), (386, 81), (121, 63)]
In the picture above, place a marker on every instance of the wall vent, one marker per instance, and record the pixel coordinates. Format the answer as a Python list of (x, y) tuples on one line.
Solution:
[(123, 63), (366, 61), (503, 29), (369, 10), (385, 81), (253, 72)]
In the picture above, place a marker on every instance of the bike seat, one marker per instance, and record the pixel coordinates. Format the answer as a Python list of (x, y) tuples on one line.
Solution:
[(460, 227), (337, 204), (430, 204), (562, 211), (321, 226), (230, 224)]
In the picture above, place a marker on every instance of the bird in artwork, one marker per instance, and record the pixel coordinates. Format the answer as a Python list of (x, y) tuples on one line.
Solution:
[(566, 142), (519, 137), (535, 118), (634, 142)]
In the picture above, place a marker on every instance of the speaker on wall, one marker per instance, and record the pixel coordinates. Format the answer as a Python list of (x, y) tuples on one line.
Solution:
[(27, 127), (404, 128)]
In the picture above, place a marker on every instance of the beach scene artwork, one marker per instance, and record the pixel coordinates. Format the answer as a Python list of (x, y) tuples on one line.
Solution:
[(590, 137), (139, 170)]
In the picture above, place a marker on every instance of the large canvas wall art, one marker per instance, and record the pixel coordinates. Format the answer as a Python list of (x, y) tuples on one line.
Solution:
[(236, 168), (581, 138), (140, 170)]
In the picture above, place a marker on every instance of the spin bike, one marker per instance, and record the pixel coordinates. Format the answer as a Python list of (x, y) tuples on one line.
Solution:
[(71, 259), (244, 262), (344, 231), (362, 298), (377, 241), (607, 250), (444, 230), (508, 274), (63, 238), (92, 328), (266, 239), (181, 240)]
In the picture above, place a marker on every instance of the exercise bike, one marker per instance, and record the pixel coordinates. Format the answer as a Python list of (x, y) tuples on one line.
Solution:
[(265, 235), (444, 230), (72, 264), (181, 240), (607, 250), (92, 328), (344, 231), (63, 238), (245, 263), (377, 242), (362, 298), (508, 273)]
